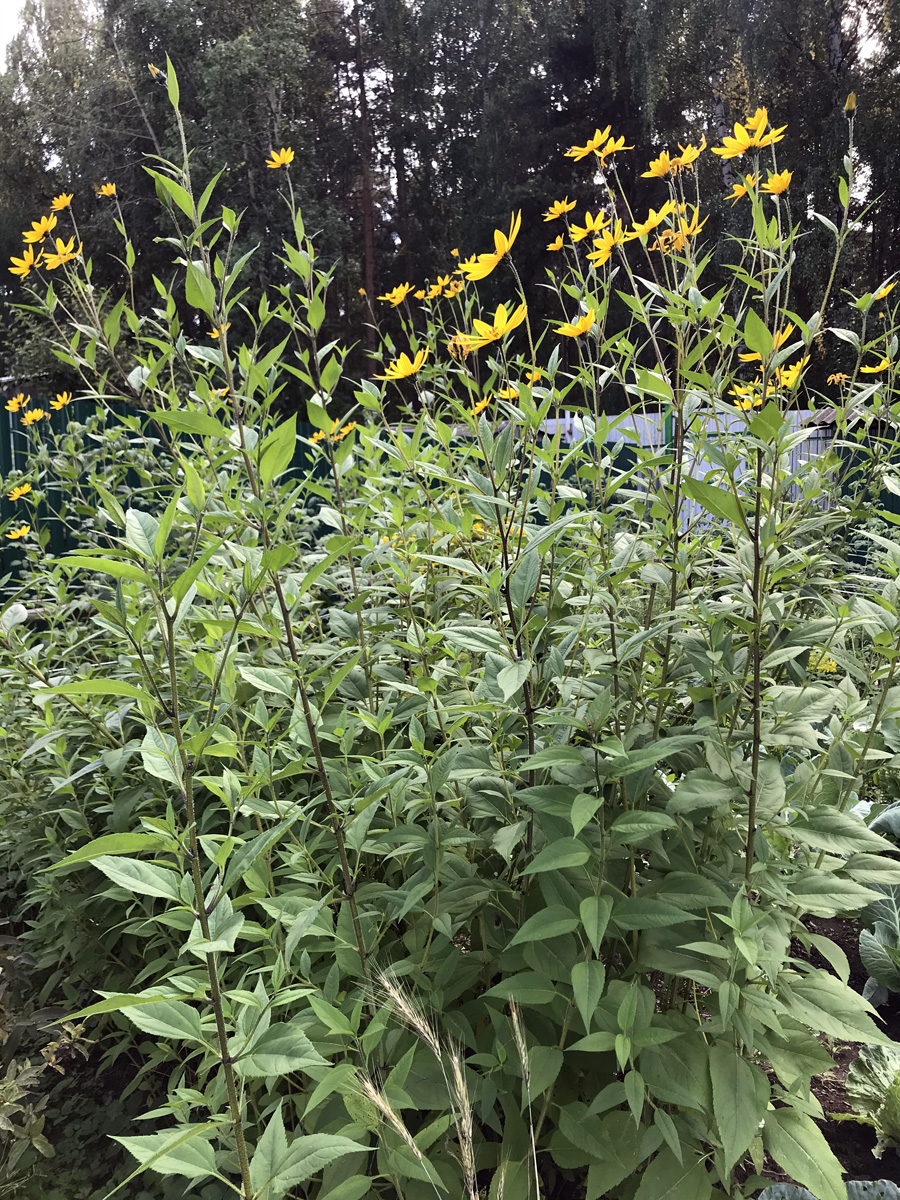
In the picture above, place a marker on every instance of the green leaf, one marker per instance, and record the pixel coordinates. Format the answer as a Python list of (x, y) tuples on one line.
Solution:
[(172, 1019), (277, 450), (159, 754), (721, 503), (527, 987), (111, 843), (550, 922), (116, 1003), (107, 566), (588, 981), (757, 335), (668, 1179), (842, 832), (281, 1049), (822, 1002), (173, 189), (799, 1147), (554, 756), (545, 1064), (188, 421), (636, 826), (172, 83), (525, 580), (595, 912), (224, 926), (142, 878), (101, 687), (564, 852), (268, 680), (481, 638), (140, 532), (245, 856), (310, 1154), (180, 1151), (511, 678), (199, 290), (268, 1159), (634, 912), (736, 1101)]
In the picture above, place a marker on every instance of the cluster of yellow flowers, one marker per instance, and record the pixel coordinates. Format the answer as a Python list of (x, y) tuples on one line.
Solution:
[(18, 531), (682, 224), (33, 415), (337, 433), (33, 238), (819, 661), (752, 395)]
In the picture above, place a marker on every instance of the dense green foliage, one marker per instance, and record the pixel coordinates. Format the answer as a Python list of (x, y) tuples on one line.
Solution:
[(443, 820)]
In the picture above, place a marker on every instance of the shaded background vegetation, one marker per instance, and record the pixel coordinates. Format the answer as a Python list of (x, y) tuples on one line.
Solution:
[(419, 124)]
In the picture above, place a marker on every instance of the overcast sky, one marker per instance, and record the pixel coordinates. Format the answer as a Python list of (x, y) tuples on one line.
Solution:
[(9, 20)]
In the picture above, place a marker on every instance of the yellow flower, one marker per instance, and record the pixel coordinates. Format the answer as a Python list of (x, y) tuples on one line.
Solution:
[(747, 397), (22, 266), (18, 402), (218, 331), (749, 136), (613, 146), (434, 291), (154, 71), (558, 207), (58, 203), (107, 189), (591, 225), (280, 158), (454, 253), (64, 253), (592, 147), (606, 241), (34, 415), (39, 229), (818, 661), (318, 437), (361, 291), (404, 366), (19, 532), (397, 295), (509, 393), (577, 328), (838, 377), (419, 294), (62, 399), (480, 406), (776, 184), (741, 189), (689, 155), (778, 341), (787, 377), (557, 243), (659, 167), (850, 104), (882, 366), (882, 292), (18, 492), (343, 432), (654, 218), (481, 267), (454, 287), (502, 323)]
